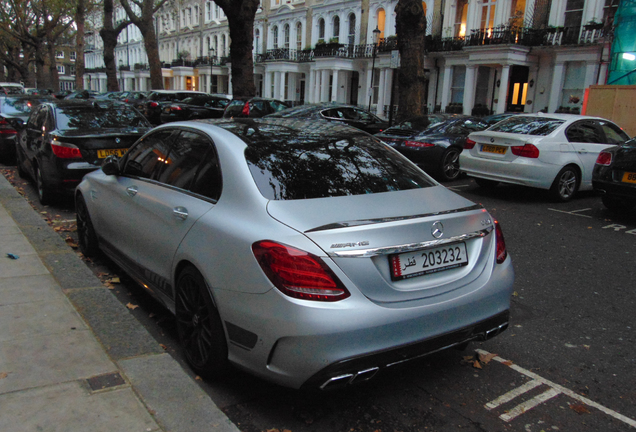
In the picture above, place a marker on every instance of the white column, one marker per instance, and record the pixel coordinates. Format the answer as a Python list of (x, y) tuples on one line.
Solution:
[(502, 94), (335, 86), (208, 82), (381, 92), (277, 85), (324, 88), (369, 87), (558, 76), (267, 83), (469, 89), (309, 91), (316, 89), (446, 86)]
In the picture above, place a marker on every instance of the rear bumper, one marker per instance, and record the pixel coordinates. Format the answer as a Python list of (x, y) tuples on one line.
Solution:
[(615, 189), (521, 171)]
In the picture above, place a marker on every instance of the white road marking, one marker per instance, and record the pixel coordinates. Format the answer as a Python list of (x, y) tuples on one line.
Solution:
[(513, 394), (559, 389), (573, 212), (529, 404)]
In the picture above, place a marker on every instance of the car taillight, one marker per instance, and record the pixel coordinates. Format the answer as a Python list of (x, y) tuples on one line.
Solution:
[(6, 128), (469, 144), (417, 144), (175, 108), (527, 150), (246, 109), (502, 253), (297, 273), (604, 158), (65, 151), (153, 104)]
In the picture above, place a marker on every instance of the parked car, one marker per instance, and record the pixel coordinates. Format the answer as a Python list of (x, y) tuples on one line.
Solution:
[(14, 112), (338, 113), (253, 107), (63, 140), (286, 245), (496, 118), (433, 141), (83, 94), (8, 88), (110, 95), (134, 98), (153, 105), (614, 176), (556, 152), (194, 108)]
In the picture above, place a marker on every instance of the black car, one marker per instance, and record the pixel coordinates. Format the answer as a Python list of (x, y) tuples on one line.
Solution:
[(253, 107), (64, 140), (134, 98), (614, 176), (195, 107), (82, 94), (338, 113), (434, 141), (153, 105), (14, 112)]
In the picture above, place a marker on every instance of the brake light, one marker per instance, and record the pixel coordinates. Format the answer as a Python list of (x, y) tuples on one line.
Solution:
[(604, 158), (469, 144), (175, 108), (297, 273), (246, 109), (527, 150), (417, 144), (502, 252), (153, 104), (65, 151), (6, 128)]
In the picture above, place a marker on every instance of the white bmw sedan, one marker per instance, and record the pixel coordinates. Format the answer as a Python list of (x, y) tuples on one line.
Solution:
[(556, 152)]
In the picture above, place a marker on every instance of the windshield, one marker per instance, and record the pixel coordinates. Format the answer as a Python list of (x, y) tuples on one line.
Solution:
[(540, 126), (98, 117), (303, 160)]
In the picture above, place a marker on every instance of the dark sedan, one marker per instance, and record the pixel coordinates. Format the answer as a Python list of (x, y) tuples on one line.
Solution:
[(252, 107), (194, 108), (614, 176), (14, 112), (434, 141), (153, 105), (64, 140), (337, 113)]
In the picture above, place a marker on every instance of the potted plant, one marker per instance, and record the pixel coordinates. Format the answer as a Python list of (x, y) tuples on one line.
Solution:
[(593, 24)]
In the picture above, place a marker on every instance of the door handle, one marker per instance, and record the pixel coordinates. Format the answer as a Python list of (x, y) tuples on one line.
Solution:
[(131, 190), (180, 212)]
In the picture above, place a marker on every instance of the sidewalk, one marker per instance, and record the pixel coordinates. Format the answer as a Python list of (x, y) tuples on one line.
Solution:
[(71, 356)]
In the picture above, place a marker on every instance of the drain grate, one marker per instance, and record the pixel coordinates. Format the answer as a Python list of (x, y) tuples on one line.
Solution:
[(101, 382)]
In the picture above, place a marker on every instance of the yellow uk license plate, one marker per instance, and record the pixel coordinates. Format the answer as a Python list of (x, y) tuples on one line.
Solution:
[(629, 177), (108, 152), (493, 149)]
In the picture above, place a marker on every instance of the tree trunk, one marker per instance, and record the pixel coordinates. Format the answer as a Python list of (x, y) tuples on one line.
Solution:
[(411, 32), (109, 36), (80, 20), (54, 78)]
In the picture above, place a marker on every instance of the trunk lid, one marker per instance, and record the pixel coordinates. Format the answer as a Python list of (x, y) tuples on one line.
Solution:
[(95, 145)]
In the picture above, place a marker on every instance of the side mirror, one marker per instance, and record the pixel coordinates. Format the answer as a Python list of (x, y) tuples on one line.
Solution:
[(111, 165)]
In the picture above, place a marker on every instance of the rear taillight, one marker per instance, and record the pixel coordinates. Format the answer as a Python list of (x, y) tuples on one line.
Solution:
[(153, 104), (65, 151), (6, 128), (175, 108), (297, 273), (417, 144), (246, 109), (527, 150), (469, 144), (502, 253), (604, 158)]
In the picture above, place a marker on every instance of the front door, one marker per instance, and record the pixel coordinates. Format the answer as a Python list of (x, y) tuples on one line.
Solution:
[(355, 78), (518, 88)]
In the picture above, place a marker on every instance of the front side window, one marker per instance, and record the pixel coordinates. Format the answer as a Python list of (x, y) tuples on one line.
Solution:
[(186, 153), (148, 156)]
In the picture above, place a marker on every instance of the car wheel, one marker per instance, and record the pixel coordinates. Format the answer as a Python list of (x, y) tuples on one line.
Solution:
[(485, 183), (565, 184), (19, 161), (199, 325), (87, 238), (44, 193), (450, 164), (616, 204)]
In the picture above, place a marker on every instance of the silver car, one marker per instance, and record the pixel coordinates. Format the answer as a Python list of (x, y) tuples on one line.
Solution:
[(310, 254)]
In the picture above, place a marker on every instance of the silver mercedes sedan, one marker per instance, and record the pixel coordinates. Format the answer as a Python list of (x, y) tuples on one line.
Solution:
[(308, 253)]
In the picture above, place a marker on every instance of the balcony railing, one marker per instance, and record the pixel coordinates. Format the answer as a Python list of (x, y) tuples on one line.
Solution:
[(326, 50)]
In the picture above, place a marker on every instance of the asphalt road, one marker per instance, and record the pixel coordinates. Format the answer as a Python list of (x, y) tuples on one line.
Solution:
[(567, 363)]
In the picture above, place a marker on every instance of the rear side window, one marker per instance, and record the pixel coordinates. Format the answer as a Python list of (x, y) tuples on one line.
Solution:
[(613, 134), (528, 125), (584, 132), (234, 108)]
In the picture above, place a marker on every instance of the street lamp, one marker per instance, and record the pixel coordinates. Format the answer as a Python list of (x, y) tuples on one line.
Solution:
[(376, 38), (120, 84), (211, 54)]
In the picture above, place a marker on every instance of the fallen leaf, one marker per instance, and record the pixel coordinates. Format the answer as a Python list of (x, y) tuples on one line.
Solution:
[(71, 242), (114, 280), (477, 365), (165, 348), (131, 306), (579, 409), (3, 375), (508, 363), (485, 358)]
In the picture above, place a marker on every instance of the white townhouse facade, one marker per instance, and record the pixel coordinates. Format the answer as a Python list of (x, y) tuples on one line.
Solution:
[(482, 56)]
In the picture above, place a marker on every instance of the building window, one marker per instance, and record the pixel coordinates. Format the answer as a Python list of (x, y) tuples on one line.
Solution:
[(196, 15), (573, 13), (60, 69), (286, 35), (257, 36), (299, 36), (457, 84), (488, 14), (573, 83), (73, 56), (275, 36), (517, 13), (336, 28), (321, 29), (208, 11), (381, 22), (59, 54), (352, 29)]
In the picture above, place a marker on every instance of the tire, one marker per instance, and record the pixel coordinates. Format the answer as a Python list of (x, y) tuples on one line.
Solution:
[(485, 183), (617, 205), (566, 184), (19, 162), (199, 325), (449, 169), (44, 193), (87, 238)]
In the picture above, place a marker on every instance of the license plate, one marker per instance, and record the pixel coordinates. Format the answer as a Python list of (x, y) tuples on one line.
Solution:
[(166, 110), (629, 177), (108, 152), (425, 261), (493, 149)]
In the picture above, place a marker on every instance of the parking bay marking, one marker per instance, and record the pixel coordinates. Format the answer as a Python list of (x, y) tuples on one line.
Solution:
[(573, 212), (555, 389)]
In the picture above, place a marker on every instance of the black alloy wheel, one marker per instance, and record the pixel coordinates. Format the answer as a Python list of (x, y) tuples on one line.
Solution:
[(87, 238), (44, 194), (450, 164), (566, 184), (199, 325)]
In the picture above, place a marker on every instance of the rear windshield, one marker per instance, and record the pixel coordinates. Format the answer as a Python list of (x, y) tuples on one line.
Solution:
[(96, 117), (528, 125), (421, 124), (19, 106), (313, 161)]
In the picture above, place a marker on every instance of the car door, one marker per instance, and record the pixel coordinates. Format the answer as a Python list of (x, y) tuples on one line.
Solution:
[(165, 207), (587, 139), (37, 128)]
